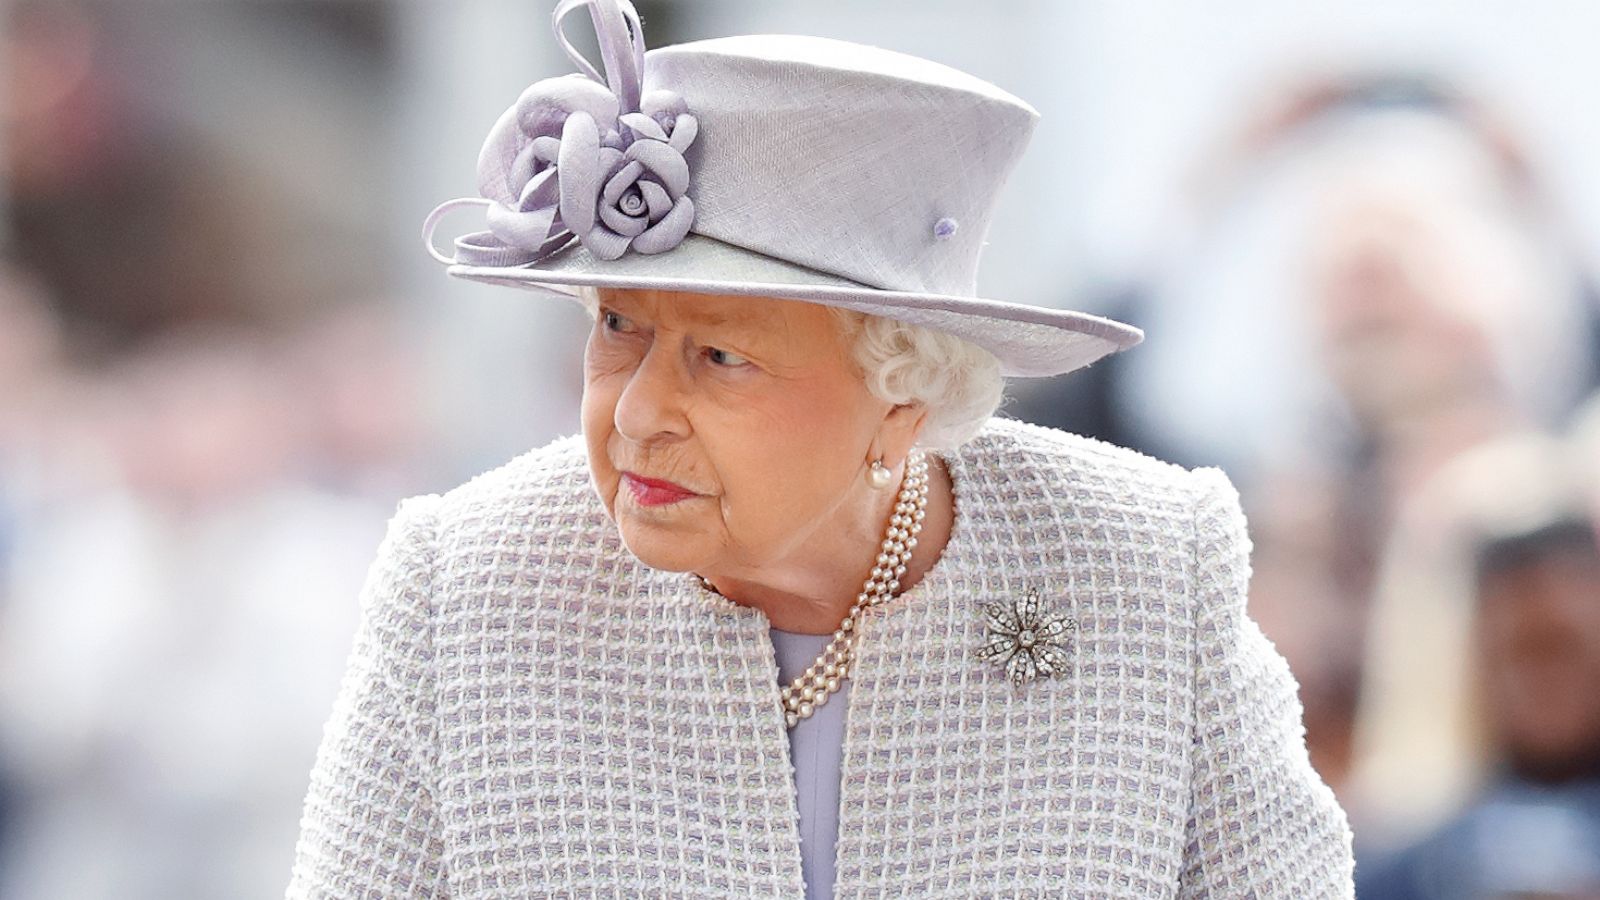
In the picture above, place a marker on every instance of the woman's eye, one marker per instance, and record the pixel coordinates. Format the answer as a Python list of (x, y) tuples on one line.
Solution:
[(725, 358), (614, 322)]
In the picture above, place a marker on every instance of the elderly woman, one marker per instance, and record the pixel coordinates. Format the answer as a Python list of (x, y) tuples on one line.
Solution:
[(796, 616)]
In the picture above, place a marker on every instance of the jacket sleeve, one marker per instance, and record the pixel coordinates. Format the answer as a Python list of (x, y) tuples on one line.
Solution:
[(369, 826), (1262, 823)]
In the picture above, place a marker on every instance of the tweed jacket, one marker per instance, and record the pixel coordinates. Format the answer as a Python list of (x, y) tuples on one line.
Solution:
[(529, 711)]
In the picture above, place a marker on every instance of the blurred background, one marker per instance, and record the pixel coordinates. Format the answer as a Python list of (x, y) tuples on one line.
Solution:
[(1361, 238)]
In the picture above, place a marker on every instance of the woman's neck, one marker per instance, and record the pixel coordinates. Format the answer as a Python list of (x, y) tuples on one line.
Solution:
[(813, 597)]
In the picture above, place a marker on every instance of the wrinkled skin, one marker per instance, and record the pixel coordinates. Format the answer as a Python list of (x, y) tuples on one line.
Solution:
[(757, 407)]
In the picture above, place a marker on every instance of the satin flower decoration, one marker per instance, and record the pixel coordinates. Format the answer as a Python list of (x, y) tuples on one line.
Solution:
[(563, 162)]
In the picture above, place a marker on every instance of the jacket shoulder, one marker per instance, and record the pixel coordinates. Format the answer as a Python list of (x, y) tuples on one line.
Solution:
[(548, 487), (1090, 471)]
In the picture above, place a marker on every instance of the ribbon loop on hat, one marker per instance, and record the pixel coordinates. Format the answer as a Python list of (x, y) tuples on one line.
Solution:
[(621, 50), (583, 157)]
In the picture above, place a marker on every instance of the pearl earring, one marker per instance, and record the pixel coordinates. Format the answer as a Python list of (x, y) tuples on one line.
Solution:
[(879, 475)]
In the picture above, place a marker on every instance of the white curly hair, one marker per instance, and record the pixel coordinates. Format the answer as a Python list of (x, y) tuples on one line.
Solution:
[(958, 381)]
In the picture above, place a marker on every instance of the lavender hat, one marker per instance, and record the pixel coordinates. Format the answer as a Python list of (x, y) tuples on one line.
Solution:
[(769, 166)]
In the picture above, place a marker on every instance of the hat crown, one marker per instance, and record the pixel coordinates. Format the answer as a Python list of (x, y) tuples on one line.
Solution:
[(824, 52), (785, 166), (864, 163)]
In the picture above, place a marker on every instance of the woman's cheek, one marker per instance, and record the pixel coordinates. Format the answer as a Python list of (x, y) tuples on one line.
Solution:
[(597, 402), (803, 440), (819, 416), (606, 373), (602, 359), (603, 476)]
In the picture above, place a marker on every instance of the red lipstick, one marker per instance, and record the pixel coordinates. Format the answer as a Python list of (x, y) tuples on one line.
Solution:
[(655, 492)]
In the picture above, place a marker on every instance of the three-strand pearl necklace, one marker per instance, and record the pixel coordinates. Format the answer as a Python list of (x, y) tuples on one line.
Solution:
[(811, 690)]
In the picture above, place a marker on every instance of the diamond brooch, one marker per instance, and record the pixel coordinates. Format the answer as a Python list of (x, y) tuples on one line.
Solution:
[(1025, 638)]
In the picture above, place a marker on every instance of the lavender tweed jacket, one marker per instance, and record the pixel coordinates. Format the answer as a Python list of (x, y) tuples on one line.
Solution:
[(529, 711)]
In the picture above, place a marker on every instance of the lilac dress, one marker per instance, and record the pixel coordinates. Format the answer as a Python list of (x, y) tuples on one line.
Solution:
[(815, 746)]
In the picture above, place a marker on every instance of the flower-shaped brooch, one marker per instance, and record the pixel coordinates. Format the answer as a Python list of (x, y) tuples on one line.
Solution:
[(1025, 638)]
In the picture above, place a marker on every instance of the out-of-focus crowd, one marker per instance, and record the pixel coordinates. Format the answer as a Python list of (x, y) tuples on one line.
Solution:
[(1410, 411), (201, 436), (1376, 315)]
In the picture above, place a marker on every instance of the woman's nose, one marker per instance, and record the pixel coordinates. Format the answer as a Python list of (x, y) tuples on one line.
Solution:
[(651, 406)]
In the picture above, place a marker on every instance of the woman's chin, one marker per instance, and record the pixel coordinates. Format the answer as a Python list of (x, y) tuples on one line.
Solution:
[(657, 545)]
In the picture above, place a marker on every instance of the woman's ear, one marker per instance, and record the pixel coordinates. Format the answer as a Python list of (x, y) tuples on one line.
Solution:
[(901, 427)]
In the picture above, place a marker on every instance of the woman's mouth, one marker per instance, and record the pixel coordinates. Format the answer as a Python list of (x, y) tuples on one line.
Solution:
[(654, 492)]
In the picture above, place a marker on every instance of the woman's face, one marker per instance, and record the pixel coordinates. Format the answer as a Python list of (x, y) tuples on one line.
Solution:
[(751, 406)]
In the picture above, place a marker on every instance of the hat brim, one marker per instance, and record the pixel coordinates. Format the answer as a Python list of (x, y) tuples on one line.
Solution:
[(1029, 341)]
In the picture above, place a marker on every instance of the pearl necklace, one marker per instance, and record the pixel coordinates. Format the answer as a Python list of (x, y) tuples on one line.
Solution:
[(812, 688)]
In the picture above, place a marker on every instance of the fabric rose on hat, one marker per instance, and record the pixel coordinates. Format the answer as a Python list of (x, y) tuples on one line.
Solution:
[(630, 198), (565, 162)]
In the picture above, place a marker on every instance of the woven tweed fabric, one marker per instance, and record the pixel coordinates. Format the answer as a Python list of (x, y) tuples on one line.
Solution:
[(529, 711)]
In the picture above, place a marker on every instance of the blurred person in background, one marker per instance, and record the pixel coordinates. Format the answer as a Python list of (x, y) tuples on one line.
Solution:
[(1448, 311), (1531, 664), (1383, 246), (1365, 221)]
